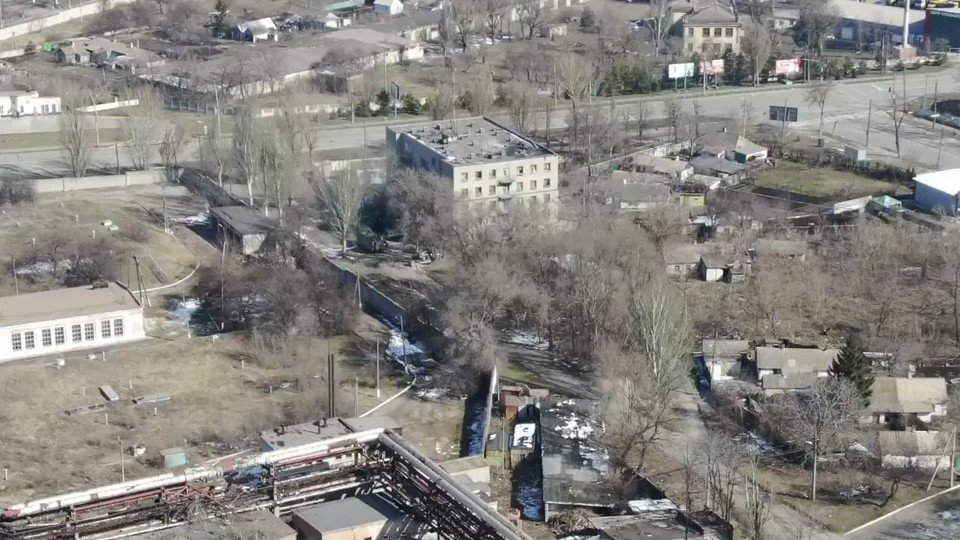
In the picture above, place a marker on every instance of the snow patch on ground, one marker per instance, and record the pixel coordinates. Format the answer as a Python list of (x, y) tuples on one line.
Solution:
[(184, 310), (756, 444), (651, 505), (200, 219), (527, 339)]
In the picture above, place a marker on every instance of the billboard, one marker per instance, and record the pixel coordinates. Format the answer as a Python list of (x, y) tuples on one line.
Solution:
[(679, 71), (711, 67), (788, 66), (783, 114)]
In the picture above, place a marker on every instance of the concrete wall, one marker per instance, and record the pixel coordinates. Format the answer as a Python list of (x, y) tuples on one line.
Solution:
[(64, 15), (109, 106), (133, 329), (132, 178)]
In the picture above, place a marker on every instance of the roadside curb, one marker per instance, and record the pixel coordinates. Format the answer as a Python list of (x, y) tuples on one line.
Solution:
[(885, 516)]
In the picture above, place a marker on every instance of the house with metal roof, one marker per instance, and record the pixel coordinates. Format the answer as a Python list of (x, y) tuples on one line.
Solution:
[(711, 30), (907, 401), (784, 361)]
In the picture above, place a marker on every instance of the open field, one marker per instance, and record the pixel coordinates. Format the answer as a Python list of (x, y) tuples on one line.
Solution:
[(33, 233), (821, 182), (51, 139)]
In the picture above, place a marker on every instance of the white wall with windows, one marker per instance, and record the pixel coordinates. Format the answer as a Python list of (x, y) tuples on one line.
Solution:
[(70, 334)]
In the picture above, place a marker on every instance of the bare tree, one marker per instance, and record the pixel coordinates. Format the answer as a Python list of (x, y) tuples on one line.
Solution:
[(75, 138), (443, 102), (575, 79), (642, 119), (673, 108), (170, 146), (757, 507), (457, 20), (495, 11), (818, 20), (533, 14), (245, 148), (825, 416), (272, 159), (140, 128), (339, 198), (722, 461), (664, 223), (818, 94), (521, 102), (482, 92), (646, 372), (899, 109), (658, 21), (214, 153), (757, 47)]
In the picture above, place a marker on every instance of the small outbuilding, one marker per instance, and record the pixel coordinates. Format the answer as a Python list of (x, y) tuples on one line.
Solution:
[(242, 227), (937, 191), (388, 7), (253, 31), (367, 516)]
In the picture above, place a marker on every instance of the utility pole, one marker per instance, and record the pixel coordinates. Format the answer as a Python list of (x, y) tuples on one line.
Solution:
[(16, 281), (96, 116), (223, 263), (123, 471), (935, 84), (953, 455), (923, 100), (783, 122), (940, 146), (356, 393), (869, 114), (378, 367), (116, 153)]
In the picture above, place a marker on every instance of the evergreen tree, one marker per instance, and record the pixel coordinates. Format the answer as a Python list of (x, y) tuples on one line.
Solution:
[(220, 16), (851, 364)]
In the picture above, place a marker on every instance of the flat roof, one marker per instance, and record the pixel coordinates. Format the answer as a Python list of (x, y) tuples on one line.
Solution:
[(472, 141), (63, 303), (346, 514), (876, 13), (260, 524), (574, 461), (318, 430), (947, 181), (469, 463), (243, 220)]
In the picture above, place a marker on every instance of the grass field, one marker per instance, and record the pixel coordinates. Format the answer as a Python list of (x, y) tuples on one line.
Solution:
[(821, 182), (51, 139)]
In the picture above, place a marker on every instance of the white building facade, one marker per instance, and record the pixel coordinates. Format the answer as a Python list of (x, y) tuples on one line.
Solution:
[(21, 103), (67, 320)]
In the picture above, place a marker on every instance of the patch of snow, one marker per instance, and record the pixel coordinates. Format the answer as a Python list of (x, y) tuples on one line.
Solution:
[(184, 310), (651, 505), (199, 219), (948, 516), (527, 339), (596, 458), (432, 393), (756, 444), (523, 435), (574, 429)]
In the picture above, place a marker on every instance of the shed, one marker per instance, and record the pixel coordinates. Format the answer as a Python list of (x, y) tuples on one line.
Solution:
[(885, 204), (174, 457), (937, 191), (253, 31), (367, 516), (906, 400), (244, 226), (387, 7), (715, 267)]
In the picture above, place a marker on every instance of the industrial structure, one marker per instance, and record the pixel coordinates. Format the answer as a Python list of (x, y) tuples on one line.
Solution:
[(63, 320), (376, 461)]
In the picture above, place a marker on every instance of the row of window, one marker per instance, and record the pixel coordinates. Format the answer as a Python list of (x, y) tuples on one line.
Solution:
[(716, 48), (717, 32), (57, 335), (533, 201), (492, 190), (492, 173)]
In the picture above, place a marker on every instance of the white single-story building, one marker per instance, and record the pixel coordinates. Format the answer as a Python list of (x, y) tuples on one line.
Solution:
[(65, 320), (387, 7), (937, 191), (259, 30), (22, 103), (906, 401)]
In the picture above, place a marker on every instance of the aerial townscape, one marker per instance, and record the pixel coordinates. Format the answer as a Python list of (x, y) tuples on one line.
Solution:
[(479, 269)]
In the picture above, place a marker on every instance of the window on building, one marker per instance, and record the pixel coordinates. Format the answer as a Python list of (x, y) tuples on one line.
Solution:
[(546, 182), (59, 335), (533, 184), (118, 327), (717, 32), (105, 329), (533, 200), (423, 162), (492, 204), (29, 341), (46, 337), (464, 192), (520, 170), (546, 198), (492, 190), (76, 333), (89, 332), (464, 177), (493, 173), (519, 186), (478, 191), (533, 168), (690, 32), (728, 32), (546, 166), (478, 175), (16, 341), (717, 47), (706, 32)]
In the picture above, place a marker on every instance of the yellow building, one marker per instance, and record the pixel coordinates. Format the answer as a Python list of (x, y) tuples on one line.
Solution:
[(711, 31)]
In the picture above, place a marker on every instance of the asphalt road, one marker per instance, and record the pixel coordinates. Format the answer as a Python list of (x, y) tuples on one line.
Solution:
[(845, 120), (936, 519)]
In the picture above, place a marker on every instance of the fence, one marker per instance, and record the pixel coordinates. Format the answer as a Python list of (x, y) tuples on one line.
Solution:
[(109, 106), (60, 17), (132, 178)]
